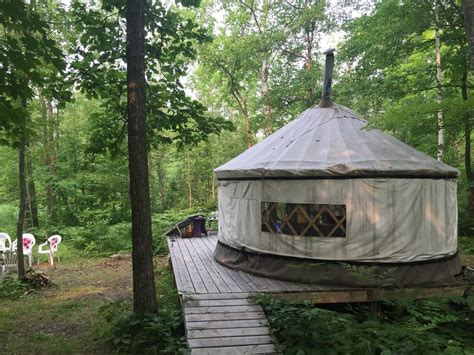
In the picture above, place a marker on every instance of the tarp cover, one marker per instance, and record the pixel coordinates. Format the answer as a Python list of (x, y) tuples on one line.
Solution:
[(331, 141), (388, 220)]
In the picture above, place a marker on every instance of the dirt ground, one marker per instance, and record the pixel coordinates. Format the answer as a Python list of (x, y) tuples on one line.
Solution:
[(64, 318)]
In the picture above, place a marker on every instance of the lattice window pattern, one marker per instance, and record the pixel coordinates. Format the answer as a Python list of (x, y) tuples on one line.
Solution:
[(303, 219)]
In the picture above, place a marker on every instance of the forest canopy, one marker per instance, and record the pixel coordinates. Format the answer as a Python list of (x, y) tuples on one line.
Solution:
[(221, 76)]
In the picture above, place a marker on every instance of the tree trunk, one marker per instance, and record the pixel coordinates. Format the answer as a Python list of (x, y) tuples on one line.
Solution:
[(468, 10), (467, 150), (161, 175), (264, 73), (248, 129), (32, 201), (187, 160), (309, 33), (47, 113), (309, 66), (265, 92), (439, 74), (22, 207), (144, 293), (213, 176)]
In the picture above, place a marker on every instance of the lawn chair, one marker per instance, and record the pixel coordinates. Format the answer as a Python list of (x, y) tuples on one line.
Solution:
[(8, 261), (50, 247), (213, 218), (5, 242), (28, 243)]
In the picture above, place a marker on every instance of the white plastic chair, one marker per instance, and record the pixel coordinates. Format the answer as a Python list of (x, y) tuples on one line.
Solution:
[(28, 243), (213, 217), (8, 261), (5, 242), (50, 247)]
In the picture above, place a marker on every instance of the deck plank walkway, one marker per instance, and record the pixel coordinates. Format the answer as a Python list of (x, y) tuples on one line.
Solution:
[(226, 323), (220, 318)]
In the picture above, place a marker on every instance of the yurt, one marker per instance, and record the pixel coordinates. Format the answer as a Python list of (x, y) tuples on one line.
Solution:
[(327, 200)]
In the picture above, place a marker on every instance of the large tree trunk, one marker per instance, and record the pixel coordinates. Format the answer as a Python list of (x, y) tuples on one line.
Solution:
[(467, 150), (22, 207), (439, 74), (468, 10), (32, 201), (144, 294)]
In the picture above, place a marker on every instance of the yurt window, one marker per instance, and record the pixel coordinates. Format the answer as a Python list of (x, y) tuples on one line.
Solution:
[(303, 219)]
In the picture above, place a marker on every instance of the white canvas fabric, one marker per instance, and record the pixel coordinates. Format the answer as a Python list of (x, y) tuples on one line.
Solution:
[(388, 219), (324, 142)]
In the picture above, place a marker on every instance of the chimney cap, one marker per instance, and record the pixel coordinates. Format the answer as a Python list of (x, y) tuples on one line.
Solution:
[(329, 51)]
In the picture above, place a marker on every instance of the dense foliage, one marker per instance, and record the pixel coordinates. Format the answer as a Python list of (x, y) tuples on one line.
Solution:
[(160, 333), (404, 327), (221, 77), (249, 70)]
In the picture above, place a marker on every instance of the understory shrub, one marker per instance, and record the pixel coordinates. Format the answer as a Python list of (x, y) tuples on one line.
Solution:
[(415, 327), (466, 245), (12, 288), (96, 236), (100, 238), (162, 332), (8, 218), (130, 333), (164, 221)]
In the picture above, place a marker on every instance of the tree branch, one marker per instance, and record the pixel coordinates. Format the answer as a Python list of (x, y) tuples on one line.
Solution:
[(254, 15)]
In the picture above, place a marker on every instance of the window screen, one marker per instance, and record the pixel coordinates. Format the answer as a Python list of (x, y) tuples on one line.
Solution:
[(303, 219)]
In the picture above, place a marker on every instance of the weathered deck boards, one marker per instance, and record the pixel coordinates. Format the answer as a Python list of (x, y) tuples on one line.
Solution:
[(226, 323), (196, 272), (221, 319)]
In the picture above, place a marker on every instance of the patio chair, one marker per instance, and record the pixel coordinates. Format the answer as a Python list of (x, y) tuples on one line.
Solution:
[(28, 243), (8, 261), (5, 242), (50, 247), (213, 218)]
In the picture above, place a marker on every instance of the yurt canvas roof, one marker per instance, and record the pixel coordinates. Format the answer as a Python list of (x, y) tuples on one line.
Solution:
[(332, 142)]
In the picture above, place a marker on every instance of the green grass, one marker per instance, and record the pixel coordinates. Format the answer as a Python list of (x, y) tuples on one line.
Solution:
[(65, 318)]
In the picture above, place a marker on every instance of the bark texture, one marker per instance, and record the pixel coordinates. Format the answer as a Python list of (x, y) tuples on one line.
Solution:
[(467, 150), (248, 129), (309, 37), (144, 294), (265, 94), (439, 74), (32, 201), (50, 154), (468, 10), (21, 213)]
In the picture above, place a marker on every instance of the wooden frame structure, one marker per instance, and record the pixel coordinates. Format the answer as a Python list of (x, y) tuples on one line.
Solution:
[(306, 224)]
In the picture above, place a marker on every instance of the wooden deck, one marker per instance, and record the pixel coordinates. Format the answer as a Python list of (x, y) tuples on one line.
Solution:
[(226, 323), (196, 272), (219, 316)]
